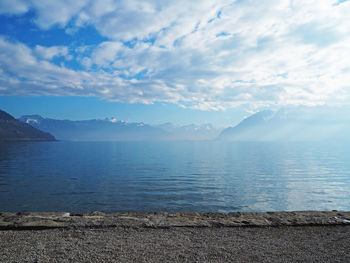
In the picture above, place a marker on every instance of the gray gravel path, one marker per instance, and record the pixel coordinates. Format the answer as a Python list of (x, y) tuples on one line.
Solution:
[(178, 244)]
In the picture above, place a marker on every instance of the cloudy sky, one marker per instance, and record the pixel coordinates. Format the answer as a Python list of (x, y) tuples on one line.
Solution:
[(182, 61)]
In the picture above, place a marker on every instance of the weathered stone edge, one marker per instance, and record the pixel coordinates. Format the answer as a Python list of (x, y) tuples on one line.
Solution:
[(44, 220)]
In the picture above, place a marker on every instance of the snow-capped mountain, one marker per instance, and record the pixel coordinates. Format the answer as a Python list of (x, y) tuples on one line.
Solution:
[(113, 129), (94, 130)]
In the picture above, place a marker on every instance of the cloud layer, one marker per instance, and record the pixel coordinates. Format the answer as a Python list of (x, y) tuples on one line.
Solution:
[(208, 55)]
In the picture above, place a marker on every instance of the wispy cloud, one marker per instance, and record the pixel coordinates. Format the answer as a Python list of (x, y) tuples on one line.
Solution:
[(13, 7), (208, 55), (50, 52)]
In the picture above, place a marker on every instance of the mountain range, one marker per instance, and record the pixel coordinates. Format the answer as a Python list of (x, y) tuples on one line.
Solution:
[(116, 130), (288, 124)]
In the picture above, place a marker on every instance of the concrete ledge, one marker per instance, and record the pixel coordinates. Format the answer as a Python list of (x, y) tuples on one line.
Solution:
[(44, 220)]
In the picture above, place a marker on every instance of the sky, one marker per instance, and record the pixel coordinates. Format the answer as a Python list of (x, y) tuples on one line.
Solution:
[(184, 61)]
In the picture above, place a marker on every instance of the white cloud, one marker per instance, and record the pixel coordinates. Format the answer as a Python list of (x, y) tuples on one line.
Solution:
[(208, 55), (51, 52), (106, 53), (21, 73), (53, 12), (13, 7)]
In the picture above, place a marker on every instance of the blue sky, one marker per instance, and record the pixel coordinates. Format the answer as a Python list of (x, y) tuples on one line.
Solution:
[(179, 61)]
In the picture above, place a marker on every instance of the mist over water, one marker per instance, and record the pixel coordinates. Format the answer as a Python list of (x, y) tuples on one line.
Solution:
[(174, 176)]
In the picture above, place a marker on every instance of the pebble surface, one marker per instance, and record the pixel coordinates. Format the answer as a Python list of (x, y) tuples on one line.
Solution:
[(175, 237)]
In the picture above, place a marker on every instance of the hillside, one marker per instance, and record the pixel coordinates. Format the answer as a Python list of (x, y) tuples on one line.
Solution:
[(14, 130)]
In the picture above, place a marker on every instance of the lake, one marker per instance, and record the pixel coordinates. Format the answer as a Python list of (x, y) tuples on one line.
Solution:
[(174, 176)]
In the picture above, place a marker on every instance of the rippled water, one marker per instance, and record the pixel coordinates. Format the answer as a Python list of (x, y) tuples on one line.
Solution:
[(173, 176)]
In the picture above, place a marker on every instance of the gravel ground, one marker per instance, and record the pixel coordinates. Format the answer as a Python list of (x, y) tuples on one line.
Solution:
[(178, 244)]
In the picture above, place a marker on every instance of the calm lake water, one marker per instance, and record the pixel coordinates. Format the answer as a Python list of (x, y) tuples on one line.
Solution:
[(173, 176)]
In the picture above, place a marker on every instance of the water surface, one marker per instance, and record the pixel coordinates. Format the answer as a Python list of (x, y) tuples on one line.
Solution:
[(174, 176)]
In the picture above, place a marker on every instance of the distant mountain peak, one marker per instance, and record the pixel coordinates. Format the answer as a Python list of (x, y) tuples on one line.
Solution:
[(113, 120), (30, 119)]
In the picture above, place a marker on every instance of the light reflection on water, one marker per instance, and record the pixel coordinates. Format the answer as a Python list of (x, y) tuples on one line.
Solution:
[(173, 176)]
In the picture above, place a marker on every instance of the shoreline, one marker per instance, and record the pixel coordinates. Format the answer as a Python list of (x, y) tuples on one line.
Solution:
[(47, 220)]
